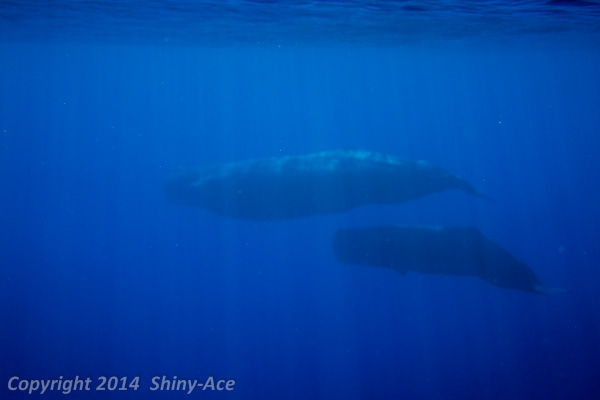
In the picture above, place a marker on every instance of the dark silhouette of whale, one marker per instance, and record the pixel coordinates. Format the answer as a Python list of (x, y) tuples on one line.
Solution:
[(300, 186), (460, 251)]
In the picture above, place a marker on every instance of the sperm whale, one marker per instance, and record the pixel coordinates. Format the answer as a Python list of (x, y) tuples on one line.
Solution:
[(462, 251), (305, 185)]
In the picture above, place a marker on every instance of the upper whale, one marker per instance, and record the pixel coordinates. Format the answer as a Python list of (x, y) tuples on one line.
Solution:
[(299, 186)]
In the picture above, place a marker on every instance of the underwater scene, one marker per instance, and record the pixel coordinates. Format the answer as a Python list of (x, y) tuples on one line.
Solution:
[(248, 199)]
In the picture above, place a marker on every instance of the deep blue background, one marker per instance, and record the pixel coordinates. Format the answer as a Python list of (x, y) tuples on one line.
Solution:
[(100, 276)]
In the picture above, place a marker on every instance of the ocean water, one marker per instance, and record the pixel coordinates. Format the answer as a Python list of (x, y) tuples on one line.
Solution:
[(102, 277)]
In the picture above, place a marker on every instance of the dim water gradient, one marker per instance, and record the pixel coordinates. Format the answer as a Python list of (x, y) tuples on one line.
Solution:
[(101, 276)]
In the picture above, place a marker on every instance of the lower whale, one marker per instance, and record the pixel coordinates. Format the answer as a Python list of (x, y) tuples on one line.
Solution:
[(300, 186), (462, 251)]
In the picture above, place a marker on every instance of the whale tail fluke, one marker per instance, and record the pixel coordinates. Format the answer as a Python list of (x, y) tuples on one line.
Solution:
[(467, 187), (551, 291), (483, 196)]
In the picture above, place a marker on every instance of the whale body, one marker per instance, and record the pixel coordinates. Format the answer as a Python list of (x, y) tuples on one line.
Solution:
[(462, 251), (300, 186)]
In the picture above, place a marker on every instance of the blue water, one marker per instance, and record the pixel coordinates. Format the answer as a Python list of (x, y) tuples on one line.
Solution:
[(100, 101)]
